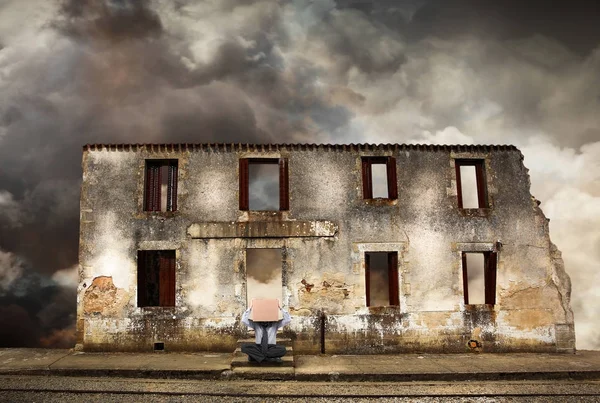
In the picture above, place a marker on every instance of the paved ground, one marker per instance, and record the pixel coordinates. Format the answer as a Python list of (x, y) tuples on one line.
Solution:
[(406, 367), (584, 364), (114, 389)]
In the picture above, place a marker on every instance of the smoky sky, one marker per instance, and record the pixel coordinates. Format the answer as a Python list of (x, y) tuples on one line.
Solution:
[(263, 265), (415, 71)]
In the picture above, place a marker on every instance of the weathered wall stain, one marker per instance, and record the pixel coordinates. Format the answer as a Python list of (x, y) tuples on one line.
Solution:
[(323, 239), (102, 297)]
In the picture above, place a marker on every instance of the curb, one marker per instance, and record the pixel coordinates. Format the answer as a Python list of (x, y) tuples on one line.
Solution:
[(445, 377), (228, 374), (124, 373)]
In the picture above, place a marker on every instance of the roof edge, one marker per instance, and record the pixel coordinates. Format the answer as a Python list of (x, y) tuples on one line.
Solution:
[(241, 147)]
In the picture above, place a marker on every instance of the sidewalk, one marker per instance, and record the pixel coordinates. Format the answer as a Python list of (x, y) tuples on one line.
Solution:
[(405, 367)]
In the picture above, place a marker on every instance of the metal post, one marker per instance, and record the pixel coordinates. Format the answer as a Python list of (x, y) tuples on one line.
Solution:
[(322, 323)]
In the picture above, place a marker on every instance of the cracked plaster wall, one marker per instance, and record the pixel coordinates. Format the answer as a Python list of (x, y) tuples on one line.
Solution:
[(323, 264)]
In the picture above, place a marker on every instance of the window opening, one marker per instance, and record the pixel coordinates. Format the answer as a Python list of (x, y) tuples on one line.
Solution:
[(264, 184), (470, 183), (381, 271), (156, 278), (479, 277), (379, 178), (160, 190)]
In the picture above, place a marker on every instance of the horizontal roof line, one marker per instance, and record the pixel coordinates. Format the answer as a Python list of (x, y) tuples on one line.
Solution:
[(176, 147)]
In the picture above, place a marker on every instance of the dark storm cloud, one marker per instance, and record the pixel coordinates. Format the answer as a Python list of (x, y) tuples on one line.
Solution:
[(111, 73), (573, 23), (101, 71), (35, 307), (355, 41), (519, 57), (113, 19), (461, 71)]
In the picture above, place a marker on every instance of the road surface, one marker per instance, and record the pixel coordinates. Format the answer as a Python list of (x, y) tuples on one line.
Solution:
[(77, 389)]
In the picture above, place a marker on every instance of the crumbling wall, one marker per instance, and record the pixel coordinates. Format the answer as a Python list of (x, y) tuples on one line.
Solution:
[(114, 227), (323, 238)]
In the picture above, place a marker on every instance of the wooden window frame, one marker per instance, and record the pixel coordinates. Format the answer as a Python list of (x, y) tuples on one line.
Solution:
[(166, 261), (490, 272), (367, 176), (244, 181), (152, 184), (393, 283), (479, 164)]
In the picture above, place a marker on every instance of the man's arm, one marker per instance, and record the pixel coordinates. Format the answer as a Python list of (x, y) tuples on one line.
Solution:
[(286, 319), (245, 319)]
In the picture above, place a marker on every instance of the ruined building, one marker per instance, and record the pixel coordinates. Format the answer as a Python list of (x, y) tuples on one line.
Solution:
[(374, 248)]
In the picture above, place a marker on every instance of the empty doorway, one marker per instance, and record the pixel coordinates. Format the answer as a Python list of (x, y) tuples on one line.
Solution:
[(263, 273)]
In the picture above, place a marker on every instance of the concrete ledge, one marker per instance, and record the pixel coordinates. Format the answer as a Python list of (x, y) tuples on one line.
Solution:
[(449, 377), (373, 368), (139, 373), (448, 367), (241, 360), (262, 229), (264, 373), (39, 360)]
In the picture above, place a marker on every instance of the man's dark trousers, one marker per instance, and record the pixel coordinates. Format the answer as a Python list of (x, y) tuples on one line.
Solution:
[(255, 351), (263, 351)]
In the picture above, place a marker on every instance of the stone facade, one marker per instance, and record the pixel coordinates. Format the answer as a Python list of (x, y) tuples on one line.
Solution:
[(325, 237)]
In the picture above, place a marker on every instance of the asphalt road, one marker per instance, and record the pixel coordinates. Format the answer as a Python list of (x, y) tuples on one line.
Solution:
[(79, 389)]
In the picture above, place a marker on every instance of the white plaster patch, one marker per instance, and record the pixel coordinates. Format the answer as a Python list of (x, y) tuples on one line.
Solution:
[(435, 277), (202, 295), (219, 323), (439, 300), (114, 259), (202, 287), (544, 334)]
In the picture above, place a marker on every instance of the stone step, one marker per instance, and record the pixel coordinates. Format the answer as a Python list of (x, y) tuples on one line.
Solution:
[(264, 373), (241, 360), (238, 352), (287, 342)]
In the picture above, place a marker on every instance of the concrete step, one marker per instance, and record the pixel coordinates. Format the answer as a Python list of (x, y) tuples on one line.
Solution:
[(287, 342), (241, 360), (266, 373)]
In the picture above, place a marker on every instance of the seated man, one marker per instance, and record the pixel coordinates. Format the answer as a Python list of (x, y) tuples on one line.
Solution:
[(265, 347)]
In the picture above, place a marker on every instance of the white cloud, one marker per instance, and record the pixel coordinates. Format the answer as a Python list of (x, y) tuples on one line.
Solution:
[(68, 277), (449, 135), (10, 210), (567, 182), (11, 268), (532, 92)]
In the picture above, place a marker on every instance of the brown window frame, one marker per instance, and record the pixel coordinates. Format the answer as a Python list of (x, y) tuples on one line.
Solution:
[(393, 283), (479, 164), (367, 176), (244, 181), (164, 278), (152, 184), (490, 272)]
